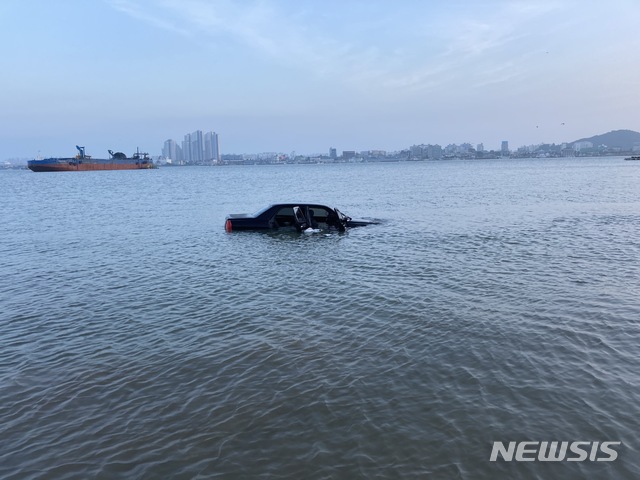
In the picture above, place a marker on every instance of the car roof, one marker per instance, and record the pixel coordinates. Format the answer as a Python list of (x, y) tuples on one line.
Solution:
[(300, 204), (291, 205)]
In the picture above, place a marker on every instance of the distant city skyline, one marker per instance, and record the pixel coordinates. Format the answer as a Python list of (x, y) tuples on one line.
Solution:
[(203, 148), (196, 147), (582, 148), (272, 75)]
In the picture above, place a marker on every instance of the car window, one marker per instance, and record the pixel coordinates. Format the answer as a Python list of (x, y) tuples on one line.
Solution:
[(285, 212), (320, 214)]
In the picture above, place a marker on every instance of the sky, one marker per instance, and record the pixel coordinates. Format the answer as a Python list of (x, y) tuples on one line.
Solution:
[(304, 76)]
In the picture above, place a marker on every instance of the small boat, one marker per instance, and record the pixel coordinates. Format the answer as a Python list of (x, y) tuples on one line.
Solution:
[(83, 162), (633, 157)]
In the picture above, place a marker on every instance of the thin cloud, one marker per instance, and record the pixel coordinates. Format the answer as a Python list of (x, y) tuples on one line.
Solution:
[(259, 26), (293, 39), (134, 10), (482, 49)]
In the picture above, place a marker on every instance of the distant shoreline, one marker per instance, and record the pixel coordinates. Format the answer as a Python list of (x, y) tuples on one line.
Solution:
[(357, 160)]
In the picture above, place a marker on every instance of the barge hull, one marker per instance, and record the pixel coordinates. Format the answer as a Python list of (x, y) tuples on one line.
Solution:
[(72, 165)]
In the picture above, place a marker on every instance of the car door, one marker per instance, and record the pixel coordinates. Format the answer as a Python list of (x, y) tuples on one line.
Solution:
[(299, 218)]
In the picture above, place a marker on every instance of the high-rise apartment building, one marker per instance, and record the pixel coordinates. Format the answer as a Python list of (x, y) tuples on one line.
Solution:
[(186, 148), (211, 150), (197, 147), (170, 150)]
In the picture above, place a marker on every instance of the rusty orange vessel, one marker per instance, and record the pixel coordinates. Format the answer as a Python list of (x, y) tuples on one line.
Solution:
[(82, 162)]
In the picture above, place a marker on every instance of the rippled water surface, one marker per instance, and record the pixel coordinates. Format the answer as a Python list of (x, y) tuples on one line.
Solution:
[(496, 301)]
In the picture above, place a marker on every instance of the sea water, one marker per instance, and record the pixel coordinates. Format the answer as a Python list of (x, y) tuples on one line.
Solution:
[(496, 301)]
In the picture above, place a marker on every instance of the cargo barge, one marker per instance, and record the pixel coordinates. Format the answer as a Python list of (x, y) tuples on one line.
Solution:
[(83, 162)]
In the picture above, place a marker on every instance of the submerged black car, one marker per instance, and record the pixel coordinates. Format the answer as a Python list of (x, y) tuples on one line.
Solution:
[(298, 216)]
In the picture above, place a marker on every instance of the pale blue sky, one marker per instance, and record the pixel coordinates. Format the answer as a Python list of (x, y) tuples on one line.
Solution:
[(307, 75)]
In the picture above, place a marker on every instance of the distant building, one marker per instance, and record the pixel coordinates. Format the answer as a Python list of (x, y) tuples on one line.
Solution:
[(197, 147), (451, 149), (347, 154), (171, 150), (211, 150), (377, 153), (480, 147), (333, 153), (232, 159), (504, 148), (465, 148), (434, 151), (186, 148), (418, 152), (582, 146)]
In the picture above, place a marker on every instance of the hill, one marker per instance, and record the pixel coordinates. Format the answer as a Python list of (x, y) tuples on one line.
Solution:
[(624, 139)]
